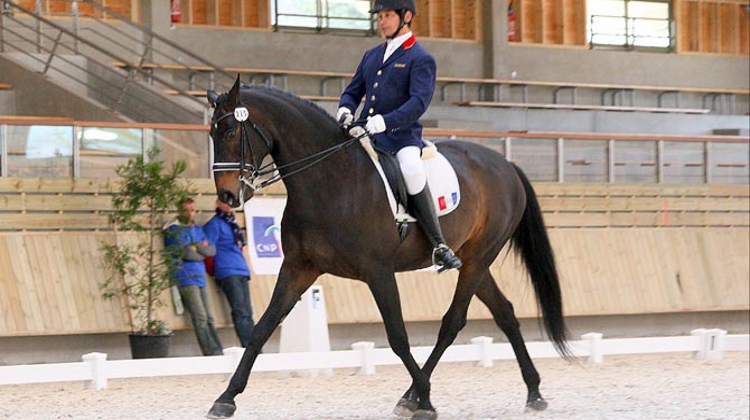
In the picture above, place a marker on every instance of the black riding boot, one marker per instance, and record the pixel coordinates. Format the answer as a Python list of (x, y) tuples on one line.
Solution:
[(423, 210)]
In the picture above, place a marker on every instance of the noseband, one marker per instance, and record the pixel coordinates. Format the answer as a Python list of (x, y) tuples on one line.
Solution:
[(249, 173)]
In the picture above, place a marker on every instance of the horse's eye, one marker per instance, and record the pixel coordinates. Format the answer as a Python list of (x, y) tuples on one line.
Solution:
[(230, 133)]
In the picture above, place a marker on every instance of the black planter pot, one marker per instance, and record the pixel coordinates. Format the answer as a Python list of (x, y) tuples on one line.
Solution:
[(144, 346)]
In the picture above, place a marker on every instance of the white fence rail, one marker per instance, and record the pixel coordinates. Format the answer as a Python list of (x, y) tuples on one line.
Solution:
[(95, 369)]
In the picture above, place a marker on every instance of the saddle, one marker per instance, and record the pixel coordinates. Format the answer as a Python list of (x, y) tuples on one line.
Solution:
[(440, 175)]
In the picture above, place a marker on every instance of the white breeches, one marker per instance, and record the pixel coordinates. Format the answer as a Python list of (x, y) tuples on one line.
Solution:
[(412, 168)]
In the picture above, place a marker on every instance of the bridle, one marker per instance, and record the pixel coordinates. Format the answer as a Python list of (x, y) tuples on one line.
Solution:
[(250, 173)]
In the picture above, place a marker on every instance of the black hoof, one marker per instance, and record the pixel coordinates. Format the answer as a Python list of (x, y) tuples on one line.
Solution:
[(537, 404), (424, 415), (405, 408), (221, 410)]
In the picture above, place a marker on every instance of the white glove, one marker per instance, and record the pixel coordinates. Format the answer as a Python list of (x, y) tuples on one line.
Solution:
[(356, 131), (344, 116), (375, 124)]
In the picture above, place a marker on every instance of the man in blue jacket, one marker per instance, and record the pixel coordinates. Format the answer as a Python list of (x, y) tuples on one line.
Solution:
[(189, 247), (397, 80), (230, 268)]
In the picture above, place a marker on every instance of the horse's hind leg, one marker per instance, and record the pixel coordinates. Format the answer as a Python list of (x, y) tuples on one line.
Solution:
[(453, 321), (502, 312)]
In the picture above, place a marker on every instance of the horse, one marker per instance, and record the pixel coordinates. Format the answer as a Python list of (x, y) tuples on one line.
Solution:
[(338, 220)]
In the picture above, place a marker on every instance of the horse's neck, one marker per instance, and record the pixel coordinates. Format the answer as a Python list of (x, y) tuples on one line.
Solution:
[(322, 176)]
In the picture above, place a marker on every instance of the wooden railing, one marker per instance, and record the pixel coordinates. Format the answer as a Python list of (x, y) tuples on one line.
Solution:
[(688, 253)]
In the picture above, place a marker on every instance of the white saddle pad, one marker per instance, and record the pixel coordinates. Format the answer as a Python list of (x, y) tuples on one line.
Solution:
[(443, 182)]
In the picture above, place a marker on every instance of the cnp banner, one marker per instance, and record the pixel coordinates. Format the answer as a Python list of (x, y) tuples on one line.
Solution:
[(263, 223)]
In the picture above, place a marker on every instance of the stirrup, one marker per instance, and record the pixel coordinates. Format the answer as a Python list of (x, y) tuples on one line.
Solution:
[(444, 258)]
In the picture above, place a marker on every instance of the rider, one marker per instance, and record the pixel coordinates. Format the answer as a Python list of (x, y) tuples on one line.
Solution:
[(397, 81)]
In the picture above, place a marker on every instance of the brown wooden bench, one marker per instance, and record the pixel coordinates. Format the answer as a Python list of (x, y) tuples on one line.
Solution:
[(582, 107), (267, 76), (611, 94)]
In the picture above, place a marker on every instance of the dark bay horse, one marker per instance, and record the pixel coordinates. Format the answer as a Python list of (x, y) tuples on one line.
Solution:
[(337, 220)]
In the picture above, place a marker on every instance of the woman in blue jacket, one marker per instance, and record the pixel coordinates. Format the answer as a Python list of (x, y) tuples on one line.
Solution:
[(230, 268)]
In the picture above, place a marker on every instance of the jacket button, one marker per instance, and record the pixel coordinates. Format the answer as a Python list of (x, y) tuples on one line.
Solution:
[(372, 98), (371, 111), (375, 85), (380, 72)]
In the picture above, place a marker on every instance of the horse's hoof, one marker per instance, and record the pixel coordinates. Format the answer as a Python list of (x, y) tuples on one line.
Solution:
[(424, 415), (537, 404), (405, 408), (221, 410)]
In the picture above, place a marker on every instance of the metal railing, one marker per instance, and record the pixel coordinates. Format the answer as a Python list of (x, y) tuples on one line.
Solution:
[(80, 54)]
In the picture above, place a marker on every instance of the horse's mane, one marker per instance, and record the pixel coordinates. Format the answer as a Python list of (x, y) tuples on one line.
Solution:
[(284, 95)]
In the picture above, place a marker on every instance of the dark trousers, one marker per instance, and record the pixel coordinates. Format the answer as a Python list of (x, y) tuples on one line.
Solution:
[(195, 300), (236, 290)]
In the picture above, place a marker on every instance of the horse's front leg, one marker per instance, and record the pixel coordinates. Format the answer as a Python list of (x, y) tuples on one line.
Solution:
[(292, 282), (453, 321), (385, 291)]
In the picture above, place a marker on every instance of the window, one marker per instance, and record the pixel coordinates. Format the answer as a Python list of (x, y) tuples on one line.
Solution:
[(40, 151), (630, 24), (322, 14)]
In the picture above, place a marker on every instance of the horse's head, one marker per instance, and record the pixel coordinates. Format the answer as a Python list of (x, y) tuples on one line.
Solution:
[(239, 146)]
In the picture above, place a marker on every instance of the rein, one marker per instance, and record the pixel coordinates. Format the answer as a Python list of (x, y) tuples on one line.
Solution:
[(242, 116)]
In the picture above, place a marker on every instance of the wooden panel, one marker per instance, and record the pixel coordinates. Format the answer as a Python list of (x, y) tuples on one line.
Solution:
[(123, 7), (744, 29), (422, 20), (603, 272), (199, 12), (465, 19), (708, 29), (441, 22), (229, 13), (574, 22), (728, 17), (552, 22), (256, 14), (532, 24), (49, 283)]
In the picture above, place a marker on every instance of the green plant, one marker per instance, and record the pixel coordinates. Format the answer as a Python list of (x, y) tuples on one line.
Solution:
[(140, 265)]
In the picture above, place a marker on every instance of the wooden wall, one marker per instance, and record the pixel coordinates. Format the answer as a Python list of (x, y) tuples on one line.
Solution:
[(713, 26), (621, 249)]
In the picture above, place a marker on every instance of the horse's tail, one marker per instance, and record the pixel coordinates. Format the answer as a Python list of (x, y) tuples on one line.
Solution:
[(531, 243)]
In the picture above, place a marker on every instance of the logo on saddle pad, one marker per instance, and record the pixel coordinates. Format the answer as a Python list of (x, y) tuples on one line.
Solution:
[(443, 182)]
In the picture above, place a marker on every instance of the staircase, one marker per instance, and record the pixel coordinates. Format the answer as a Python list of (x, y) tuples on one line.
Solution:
[(80, 56)]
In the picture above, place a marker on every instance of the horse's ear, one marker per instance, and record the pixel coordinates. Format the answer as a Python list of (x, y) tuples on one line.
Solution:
[(234, 93), (212, 97)]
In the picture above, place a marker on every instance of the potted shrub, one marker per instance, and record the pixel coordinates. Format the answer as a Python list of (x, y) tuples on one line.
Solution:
[(139, 264)]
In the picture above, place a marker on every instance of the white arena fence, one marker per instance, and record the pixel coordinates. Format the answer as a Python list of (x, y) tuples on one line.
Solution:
[(95, 369)]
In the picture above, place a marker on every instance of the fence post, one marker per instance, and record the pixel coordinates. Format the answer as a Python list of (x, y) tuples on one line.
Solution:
[(365, 349), (715, 343), (235, 355), (484, 350), (595, 347), (700, 334), (98, 372)]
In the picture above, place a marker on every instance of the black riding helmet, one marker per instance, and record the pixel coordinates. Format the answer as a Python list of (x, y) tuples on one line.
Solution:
[(401, 6), (394, 5)]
